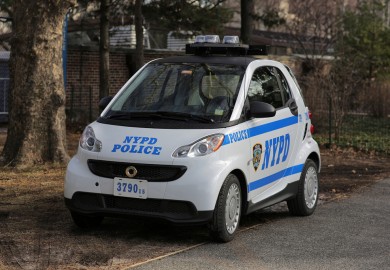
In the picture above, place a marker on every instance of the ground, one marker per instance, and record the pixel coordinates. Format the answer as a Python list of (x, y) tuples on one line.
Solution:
[(36, 230)]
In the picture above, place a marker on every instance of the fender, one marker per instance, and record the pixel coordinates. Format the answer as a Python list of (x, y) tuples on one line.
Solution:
[(309, 147)]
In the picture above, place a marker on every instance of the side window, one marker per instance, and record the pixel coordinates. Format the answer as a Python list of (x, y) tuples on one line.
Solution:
[(264, 87), (295, 80), (286, 91)]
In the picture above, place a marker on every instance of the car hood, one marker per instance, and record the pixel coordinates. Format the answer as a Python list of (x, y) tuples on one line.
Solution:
[(144, 145)]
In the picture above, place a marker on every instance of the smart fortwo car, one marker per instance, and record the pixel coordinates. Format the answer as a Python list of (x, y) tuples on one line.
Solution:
[(201, 138)]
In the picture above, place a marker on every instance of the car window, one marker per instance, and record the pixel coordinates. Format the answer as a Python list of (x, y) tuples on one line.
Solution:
[(286, 92), (207, 90), (295, 80), (264, 87)]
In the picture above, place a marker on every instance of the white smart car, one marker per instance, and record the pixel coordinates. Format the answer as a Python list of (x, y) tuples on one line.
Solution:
[(202, 138)]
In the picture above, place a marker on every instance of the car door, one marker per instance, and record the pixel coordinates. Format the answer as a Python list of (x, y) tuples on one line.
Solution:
[(273, 138)]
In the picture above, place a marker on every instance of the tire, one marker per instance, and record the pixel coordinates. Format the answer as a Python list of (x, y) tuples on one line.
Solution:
[(86, 222), (227, 212), (306, 199)]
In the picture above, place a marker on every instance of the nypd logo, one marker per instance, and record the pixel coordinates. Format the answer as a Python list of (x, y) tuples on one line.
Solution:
[(257, 151), (138, 145)]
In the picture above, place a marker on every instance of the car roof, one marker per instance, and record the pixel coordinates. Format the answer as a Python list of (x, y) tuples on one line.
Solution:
[(230, 60)]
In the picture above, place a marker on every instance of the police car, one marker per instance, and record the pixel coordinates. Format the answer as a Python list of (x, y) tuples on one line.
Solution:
[(201, 138)]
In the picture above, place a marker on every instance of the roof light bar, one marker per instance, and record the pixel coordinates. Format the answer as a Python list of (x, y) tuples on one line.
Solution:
[(207, 39), (200, 39), (204, 49), (210, 44), (212, 39), (231, 40)]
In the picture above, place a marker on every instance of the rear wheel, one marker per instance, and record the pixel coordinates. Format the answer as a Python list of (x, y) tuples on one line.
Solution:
[(86, 222), (227, 211), (306, 200)]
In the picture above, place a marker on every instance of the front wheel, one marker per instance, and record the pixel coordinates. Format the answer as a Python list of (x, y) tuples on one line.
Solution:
[(227, 211), (306, 199)]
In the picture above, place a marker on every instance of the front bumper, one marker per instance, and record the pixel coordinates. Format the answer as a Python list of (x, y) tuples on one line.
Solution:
[(200, 184), (94, 204)]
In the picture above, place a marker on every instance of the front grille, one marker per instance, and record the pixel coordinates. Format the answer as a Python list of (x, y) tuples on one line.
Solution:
[(151, 173), (148, 207)]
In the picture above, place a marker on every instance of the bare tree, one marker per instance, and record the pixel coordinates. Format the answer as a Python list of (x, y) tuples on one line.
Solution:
[(139, 49), (36, 131), (104, 49), (314, 26), (246, 20), (339, 85)]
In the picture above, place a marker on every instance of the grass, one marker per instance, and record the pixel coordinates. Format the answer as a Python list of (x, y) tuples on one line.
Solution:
[(363, 133)]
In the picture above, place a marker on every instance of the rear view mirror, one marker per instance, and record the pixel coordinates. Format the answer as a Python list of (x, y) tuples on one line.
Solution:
[(260, 109), (104, 102)]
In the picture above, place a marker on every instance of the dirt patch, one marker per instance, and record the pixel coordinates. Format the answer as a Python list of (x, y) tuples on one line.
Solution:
[(37, 231), (344, 171)]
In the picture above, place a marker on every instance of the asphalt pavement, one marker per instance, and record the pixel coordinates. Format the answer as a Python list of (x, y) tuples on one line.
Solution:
[(353, 233)]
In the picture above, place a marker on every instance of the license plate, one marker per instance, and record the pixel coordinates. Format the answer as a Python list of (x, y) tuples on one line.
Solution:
[(132, 188)]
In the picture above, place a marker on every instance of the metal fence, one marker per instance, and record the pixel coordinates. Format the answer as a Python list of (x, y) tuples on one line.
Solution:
[(365, 125), (4, 85), (82, 107)]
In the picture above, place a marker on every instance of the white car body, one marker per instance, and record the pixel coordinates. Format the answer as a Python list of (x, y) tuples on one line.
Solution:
[(285, 141)]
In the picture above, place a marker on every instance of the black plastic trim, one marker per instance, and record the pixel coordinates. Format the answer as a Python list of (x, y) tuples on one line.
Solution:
[(289, 192), (98, 208), (99, 168)]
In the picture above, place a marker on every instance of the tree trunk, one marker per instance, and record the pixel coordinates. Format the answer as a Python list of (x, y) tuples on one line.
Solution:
[(36, 131), (104, 49), (246, 20), (139, 49)]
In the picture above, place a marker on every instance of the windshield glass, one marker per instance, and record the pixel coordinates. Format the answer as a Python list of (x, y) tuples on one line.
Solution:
[(197, 91)]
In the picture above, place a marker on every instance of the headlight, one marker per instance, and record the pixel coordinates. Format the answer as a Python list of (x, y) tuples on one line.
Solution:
[(89, 142), (202, 147)]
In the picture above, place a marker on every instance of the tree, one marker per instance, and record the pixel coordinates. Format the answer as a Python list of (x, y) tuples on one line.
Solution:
[(361, 57), (104, 50), (340, 85), (139, 31), (198, 15), (314, 27), (246, 20), (367, 38), (36, 131)]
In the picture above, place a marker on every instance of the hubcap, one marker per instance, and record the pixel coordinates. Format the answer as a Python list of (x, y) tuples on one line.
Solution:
[(232, 209), (311, 187)]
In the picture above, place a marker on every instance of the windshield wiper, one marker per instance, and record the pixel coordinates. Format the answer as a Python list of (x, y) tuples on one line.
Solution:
[(121, 115), (161, 115), (186, 116)]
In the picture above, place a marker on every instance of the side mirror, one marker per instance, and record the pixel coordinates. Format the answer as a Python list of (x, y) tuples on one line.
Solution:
[(260, 109), (104, 102)]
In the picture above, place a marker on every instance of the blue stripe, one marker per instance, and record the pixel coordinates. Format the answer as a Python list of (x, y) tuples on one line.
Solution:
[(261, 129), (275, 177), (272, 126)]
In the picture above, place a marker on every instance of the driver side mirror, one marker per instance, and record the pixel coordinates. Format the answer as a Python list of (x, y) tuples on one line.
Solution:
[(260, 109), (104, 102)]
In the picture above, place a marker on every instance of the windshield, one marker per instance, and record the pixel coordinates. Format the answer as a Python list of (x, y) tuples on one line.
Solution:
[(195, 91)]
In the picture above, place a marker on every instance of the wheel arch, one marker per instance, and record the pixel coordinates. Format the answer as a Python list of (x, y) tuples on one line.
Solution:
[(244, 189), (315, 157)]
